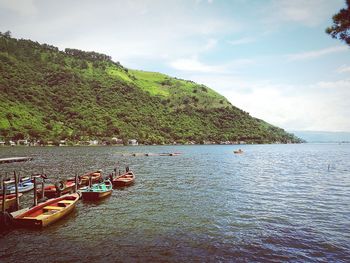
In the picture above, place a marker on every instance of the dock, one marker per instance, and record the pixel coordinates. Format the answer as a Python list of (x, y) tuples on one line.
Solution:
[(15, 159), (151, 154)]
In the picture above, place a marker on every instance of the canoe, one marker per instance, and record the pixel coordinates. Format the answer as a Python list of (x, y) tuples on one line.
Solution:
[(47, 213), (97, 191), (61, 188), (21, 180), (84, 179), (10, 200), (22, 187), (124, 180), (238, 151)]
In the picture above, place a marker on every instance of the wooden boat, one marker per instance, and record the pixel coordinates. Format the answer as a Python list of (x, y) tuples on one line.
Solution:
[(47, 213), (21, 180), (97, 191), (96, 177), (124, 180), (10, 200), (22, 187), (60, 188), (239, 151)]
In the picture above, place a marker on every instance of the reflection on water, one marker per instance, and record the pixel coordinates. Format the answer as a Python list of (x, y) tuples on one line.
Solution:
[(272, 203)]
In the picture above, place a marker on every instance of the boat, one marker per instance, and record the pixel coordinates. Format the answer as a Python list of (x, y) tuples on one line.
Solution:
[(22, 187), (21, 180), (96, 177), (10, 200), (126, 179), (97, 191), (238, 151), (60, 188), (47, 213)]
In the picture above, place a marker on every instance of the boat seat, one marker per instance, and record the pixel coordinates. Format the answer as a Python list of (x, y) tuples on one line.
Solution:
[(39, 217), (47, 208), (64, 203)]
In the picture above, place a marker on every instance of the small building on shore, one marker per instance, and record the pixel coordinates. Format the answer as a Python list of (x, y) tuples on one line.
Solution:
[(133, 142)]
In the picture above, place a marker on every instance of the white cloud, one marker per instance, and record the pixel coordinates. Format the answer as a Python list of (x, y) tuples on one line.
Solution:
[(192, 64), (240, 41), (319, 106), (309, 13), (316, 53), (343, 69), (22, 7)]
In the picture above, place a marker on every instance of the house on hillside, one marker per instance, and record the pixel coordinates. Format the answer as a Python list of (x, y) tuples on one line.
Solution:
[(133, 142), (23, 142), (117, 141)]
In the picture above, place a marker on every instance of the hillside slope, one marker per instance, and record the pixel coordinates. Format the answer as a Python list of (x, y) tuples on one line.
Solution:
[(49, 94)]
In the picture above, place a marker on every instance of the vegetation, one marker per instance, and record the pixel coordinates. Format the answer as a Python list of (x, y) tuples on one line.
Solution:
[(48, 94), (341, 25)]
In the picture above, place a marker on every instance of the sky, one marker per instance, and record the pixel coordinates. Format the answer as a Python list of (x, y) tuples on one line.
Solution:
[(271, 58)]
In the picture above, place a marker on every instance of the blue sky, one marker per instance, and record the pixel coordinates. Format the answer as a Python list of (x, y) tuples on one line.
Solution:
[(271, 58)]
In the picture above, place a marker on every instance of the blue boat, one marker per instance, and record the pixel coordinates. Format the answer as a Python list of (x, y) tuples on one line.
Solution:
[(22, 187)]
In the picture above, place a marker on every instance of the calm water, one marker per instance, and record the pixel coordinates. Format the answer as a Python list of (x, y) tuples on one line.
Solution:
[(273, 203)]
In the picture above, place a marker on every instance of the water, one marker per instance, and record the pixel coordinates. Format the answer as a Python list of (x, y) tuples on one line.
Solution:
[(273, 203)]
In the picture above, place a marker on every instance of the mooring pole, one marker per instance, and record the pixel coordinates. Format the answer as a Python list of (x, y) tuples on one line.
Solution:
[(3, 195), (35, 193), (76, 182), (16, 190), (42, 188)]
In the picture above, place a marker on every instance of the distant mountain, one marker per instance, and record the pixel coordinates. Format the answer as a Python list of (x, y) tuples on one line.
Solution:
[(73, 95), (323, 136)]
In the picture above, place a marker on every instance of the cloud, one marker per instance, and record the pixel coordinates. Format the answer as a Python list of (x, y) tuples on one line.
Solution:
[(318, 106), (241, 41), (309, 13), (22, 7), (343, 69), (194, 65), (316, 53)]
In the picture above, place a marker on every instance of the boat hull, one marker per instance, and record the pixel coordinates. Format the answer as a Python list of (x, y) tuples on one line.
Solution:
[(124, 180), (10, 201), (95, 196), (47, 213)]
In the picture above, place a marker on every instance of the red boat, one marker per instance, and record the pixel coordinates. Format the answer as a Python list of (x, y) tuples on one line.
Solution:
[(60, 188), (124, 180), (84, 179), (47, 213)]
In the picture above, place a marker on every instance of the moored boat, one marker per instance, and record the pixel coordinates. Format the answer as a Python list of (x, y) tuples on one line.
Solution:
[(10, 200), (124, 180), (22, 187), (97, 191), (60, 188), (47, 213), (84, 179)]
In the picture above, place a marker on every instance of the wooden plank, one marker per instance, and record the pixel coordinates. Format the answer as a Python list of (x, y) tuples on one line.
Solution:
[(15, 159)]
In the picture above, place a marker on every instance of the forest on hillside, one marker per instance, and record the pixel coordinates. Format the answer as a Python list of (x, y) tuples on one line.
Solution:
[(72, 95)]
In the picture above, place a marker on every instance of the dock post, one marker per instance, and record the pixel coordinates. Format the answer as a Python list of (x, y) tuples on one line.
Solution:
[(35, 192), (76, 183), (16, 190), (3, 195), (42, 189)]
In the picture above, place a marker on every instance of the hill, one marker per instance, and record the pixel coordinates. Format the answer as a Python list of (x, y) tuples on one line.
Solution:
[(48, 94)]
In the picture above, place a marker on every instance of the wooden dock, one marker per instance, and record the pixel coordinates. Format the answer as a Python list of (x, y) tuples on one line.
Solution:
[(15, 159)]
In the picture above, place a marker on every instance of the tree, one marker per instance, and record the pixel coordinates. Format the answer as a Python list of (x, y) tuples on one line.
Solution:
[(341, 25)]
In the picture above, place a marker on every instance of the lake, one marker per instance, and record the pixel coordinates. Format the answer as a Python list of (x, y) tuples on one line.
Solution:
[(272, 203)]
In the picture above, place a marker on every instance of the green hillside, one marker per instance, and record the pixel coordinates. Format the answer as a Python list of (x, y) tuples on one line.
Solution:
[(48, 94)]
